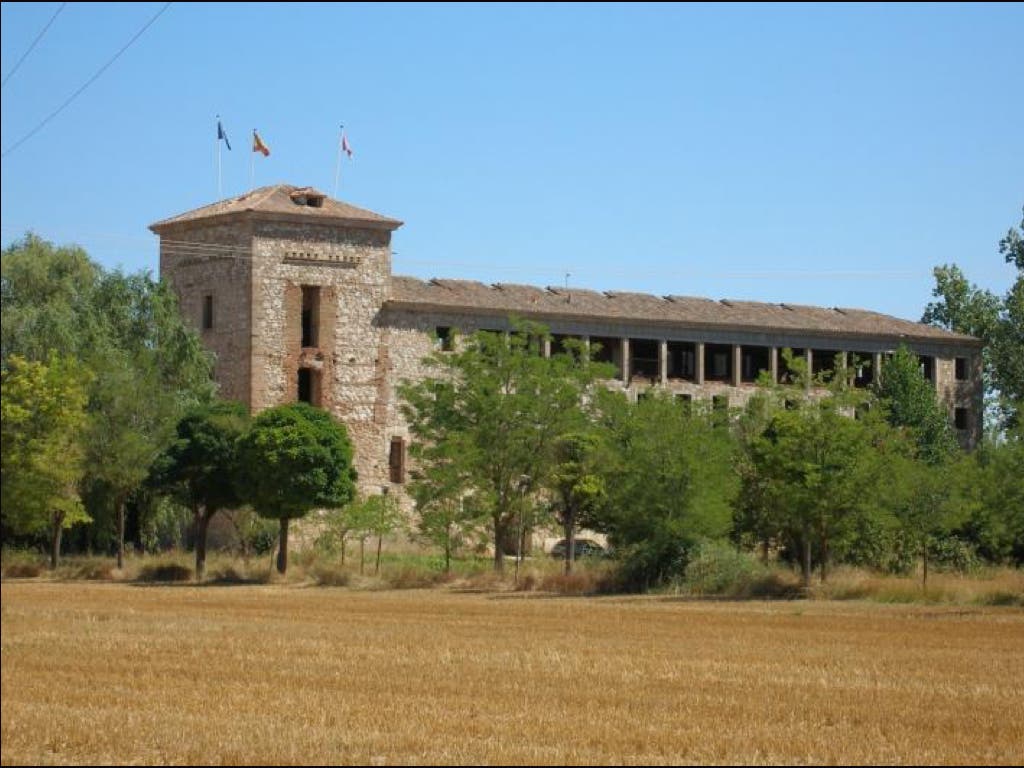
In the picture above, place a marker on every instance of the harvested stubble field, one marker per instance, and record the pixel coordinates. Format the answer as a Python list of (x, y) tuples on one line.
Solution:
[(279, 674)]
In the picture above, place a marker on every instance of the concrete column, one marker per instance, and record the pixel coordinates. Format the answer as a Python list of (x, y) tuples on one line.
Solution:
[(625, 359), (737, 364), (773, 363), (546, 345), (876, 368), (844, 367), (809, 357), (663, 361), (700, 364)]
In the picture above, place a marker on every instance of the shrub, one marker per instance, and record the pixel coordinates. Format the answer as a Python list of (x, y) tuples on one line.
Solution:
[(165, 572), (22, 570), (718, 569), (331, 575)]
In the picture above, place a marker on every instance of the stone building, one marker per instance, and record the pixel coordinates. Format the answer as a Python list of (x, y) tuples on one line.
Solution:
[(293, 292)]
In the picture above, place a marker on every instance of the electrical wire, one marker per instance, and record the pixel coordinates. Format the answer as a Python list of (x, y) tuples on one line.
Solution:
[(34, 43), (87, 83)]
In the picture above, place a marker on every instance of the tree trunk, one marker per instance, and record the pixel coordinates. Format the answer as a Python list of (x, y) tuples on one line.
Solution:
[(448, 550), (343, 550), (282, 549), (499, 558), (56, 527), (805, 562), (202, 525), (362, 558), (824, 558), (120, 532), (924, 561), (376, 568), (570, 538)]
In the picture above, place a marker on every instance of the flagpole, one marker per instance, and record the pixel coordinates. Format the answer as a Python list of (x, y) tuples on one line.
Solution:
[(252, 163), (337, 164), (220, 192)]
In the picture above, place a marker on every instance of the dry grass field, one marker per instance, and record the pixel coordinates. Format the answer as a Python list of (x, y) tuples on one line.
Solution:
[(283, 674)]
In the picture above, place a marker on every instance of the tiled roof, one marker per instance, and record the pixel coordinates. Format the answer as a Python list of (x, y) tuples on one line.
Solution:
[(280, 199), (574, 303)]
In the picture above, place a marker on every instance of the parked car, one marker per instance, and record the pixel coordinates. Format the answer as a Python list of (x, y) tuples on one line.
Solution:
[(584, 548)]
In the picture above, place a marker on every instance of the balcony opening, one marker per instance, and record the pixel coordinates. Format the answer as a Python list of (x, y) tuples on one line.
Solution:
[(863, 369), (718, 362), (607, 349), (643, 360), (787, 372), (682, 360), (823, 364), (754, 361)]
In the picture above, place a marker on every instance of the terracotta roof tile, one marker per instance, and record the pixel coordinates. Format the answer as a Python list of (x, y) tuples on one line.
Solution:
[(282, 199), (552, 303)]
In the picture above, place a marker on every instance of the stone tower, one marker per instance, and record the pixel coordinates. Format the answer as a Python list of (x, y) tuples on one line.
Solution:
[(286, 285)]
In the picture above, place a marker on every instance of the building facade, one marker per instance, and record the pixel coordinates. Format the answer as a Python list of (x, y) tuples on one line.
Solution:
[(293, 293)]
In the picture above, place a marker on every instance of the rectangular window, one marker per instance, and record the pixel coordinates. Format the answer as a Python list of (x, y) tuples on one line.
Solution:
[(926, 364), (961, 369), (309, 386), (310, 315), (960, 418), (207, 311), (396, 460), (686, 402), (445, 340)]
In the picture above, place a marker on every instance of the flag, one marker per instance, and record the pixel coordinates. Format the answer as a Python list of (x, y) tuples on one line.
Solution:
[(222, 134), (258, 145), (345, 145)]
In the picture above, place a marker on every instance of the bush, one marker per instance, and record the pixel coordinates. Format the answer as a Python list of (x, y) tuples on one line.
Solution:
[(718, 569), (954, 554), (331, 575), (22, 570), (165, 572)]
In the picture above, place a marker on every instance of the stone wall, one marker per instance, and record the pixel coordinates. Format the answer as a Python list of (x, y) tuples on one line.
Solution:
[(351, 268), (200, 260)]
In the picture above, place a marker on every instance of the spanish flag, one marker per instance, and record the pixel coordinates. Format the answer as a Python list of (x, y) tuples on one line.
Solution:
[(258, 145)]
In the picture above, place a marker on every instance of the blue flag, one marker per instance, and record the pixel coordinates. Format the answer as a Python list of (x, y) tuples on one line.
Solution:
[(222, 134)]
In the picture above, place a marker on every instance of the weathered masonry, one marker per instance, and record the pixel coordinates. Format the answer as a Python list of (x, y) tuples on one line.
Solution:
[(293, 292)]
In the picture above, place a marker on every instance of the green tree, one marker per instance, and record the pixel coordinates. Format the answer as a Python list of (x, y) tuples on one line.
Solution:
[(816, 469), (963, 307), (669, 479), (445, 519), (43, 414), (46, 294), (201, 467), (577, 487), (387, 520), (924, 500), (495, 409), (148, 367), (910, 404), (294, 459)]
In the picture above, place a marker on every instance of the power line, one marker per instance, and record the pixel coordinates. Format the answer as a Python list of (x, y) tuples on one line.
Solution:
[(87, 83), (34, 43)]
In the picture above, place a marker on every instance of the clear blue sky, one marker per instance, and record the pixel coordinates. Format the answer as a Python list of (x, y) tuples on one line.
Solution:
[(821, 155)]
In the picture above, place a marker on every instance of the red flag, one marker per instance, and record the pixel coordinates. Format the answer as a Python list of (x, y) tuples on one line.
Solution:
[(345, 145), (258, 145)]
